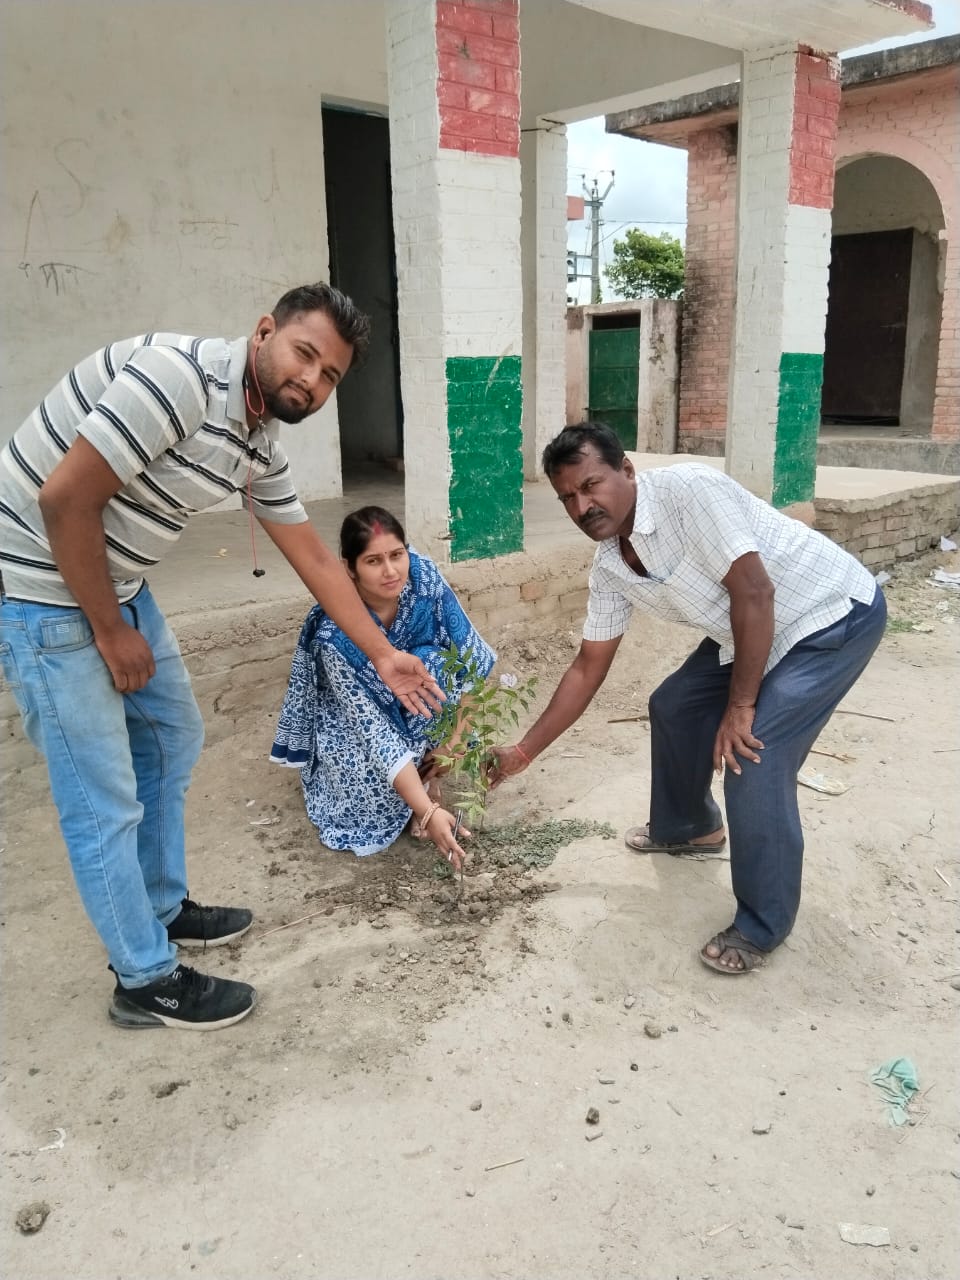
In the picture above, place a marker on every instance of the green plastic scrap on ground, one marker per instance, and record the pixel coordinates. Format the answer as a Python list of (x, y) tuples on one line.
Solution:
[(897, 1081)]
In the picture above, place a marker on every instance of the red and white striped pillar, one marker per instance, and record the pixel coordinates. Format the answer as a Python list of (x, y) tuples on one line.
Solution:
[(789, 105), (454, 87)]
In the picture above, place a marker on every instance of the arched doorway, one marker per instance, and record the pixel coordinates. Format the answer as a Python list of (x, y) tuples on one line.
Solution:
[(885, 296)]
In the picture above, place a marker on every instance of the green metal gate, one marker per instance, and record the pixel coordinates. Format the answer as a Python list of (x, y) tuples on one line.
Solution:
[(615, 380)]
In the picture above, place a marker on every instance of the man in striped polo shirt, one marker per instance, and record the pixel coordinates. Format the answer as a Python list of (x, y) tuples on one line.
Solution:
[(95, 486)]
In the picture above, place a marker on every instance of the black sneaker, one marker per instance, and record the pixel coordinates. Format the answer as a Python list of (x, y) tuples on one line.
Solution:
[(187, 999), (198, 926)]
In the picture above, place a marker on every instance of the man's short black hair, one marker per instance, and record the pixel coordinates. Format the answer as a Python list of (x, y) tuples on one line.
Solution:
[(568, 446), (348, 320)]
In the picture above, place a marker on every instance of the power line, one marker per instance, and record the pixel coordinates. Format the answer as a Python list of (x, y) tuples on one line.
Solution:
[(650, 222), (614, 232), (620, 226)]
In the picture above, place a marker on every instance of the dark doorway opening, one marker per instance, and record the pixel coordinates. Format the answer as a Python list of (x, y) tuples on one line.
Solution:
[(869, 296), (356, 150)]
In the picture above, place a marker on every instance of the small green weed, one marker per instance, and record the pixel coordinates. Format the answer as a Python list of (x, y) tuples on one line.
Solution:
[(535, 844)]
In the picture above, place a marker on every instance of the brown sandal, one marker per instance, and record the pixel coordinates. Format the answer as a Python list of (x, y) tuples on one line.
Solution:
[(751, 957), (640, 841)]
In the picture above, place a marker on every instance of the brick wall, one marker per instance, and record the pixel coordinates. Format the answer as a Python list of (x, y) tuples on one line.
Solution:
[(814, 131), (915, 120), (882, 531), (708, 294), (921, 126), (478, 83)]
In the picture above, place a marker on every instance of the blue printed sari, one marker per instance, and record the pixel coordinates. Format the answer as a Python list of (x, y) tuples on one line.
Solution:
[(346, 732)]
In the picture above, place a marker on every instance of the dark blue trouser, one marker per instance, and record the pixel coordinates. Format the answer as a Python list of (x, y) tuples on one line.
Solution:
[(796, 700)]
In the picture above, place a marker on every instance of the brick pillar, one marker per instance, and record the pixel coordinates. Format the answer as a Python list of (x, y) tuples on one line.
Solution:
[(707, 325), (789, 103), (454, 83), (543, 165)]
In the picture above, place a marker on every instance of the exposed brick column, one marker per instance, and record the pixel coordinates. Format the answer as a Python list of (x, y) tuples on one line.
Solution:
[(708, 289), (543, 163), (789, 103), (454, 78)]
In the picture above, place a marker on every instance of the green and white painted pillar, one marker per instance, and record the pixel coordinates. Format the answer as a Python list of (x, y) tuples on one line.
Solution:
[(454, 88), (789, 103)]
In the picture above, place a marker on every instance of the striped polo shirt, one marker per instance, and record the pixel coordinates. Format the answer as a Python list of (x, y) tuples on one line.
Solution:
[(167, 412)]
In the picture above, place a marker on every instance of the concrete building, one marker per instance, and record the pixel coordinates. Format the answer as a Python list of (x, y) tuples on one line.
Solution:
[(177, 165), (892, 336)]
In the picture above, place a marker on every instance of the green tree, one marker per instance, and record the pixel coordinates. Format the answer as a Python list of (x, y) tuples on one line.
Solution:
[(646, 266)]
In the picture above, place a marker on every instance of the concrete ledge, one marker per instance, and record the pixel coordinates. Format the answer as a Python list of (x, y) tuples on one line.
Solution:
[(940, 457), (879, 516), (237, 634), (239, 656)]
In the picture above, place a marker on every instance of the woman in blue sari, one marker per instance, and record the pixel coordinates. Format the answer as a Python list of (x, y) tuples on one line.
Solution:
[(361, 755)]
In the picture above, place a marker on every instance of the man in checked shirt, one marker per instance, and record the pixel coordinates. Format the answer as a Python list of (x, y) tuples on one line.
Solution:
[(791, 620)]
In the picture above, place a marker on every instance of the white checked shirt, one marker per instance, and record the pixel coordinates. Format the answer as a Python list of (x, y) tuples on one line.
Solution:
[(691, 523)]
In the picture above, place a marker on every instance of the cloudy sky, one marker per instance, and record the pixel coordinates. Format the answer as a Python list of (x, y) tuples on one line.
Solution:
[(650, 184)]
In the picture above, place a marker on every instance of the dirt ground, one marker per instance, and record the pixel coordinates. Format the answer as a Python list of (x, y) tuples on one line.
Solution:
[(409, 1098)]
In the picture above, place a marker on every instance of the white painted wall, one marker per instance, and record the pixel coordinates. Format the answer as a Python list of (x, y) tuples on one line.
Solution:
[(163, 169), (543, 163)]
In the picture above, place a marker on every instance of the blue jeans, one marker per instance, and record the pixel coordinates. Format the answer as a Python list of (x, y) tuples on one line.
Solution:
[(796, 700), (119, 767)]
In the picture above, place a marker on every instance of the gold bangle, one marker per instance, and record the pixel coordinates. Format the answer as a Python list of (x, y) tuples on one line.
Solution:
[(427, 817)]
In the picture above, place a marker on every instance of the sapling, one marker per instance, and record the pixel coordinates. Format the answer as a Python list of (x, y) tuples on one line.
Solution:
[(466, 735)]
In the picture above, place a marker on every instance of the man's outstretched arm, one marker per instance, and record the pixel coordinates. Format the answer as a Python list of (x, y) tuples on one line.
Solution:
[(570, 699)]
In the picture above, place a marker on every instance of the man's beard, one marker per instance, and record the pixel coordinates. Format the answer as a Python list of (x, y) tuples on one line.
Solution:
[(276, 403), (285, 411)]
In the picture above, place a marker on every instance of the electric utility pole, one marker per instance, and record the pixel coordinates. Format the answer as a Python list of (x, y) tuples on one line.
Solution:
[(594, 203)]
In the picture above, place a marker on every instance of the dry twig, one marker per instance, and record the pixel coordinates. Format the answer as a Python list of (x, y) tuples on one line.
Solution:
[(867, 715), (291, 923)]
